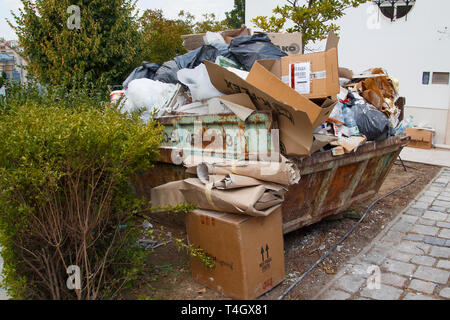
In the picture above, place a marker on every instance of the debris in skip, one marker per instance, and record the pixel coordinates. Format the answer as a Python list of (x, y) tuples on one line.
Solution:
[(263, 140)]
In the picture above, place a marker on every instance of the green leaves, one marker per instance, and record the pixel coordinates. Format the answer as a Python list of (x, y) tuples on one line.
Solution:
[(161, 37), (102, 52), (313, 19), (65, 170)]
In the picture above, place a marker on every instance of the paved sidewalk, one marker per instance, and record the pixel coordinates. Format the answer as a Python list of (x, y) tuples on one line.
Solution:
[(411, 256), (436, 156)]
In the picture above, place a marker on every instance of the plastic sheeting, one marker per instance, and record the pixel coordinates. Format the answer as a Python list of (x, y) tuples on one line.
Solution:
[(247, 49), (148, 94), (146, 70), (371, 122), (198, 81), (168, 71)]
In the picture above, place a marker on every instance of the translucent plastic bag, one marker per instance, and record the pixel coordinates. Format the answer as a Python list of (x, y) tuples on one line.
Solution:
[(199, 84), (148, 94)]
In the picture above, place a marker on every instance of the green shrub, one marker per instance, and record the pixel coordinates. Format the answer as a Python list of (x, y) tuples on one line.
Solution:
[(65, 196)]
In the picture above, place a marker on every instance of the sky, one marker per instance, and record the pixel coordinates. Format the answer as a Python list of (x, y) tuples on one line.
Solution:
[(169, 7)]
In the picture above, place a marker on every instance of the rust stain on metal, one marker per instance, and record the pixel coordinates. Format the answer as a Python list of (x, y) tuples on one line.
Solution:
[(330, 184)]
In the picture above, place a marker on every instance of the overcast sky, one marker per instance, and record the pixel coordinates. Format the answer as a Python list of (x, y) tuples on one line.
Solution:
[(169, 7)]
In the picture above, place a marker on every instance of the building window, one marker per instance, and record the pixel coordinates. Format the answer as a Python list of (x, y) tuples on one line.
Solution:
[(440, 78), (426, 78), (395, 9)]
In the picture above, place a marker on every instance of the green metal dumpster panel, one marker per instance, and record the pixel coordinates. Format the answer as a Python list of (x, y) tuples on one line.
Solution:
[(218, 135)]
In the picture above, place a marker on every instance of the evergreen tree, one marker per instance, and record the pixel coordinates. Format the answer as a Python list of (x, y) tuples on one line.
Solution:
[(101, 51), (236, 17)]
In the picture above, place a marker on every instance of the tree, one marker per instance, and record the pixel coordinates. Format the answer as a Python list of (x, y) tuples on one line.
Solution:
[(3, 77), (314, 19), (236, 17), (209, 22), (102, 51), (161, 37)]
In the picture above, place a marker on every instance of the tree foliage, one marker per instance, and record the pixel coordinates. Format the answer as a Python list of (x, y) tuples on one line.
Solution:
[(314, 18), (236, 17), (65, 193), (103, 51), (161, 37)]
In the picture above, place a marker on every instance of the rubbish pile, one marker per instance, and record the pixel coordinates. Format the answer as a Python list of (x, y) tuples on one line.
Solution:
[(237, 109)]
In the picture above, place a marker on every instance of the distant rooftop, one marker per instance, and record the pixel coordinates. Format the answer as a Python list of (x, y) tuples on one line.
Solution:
[(4, 57)]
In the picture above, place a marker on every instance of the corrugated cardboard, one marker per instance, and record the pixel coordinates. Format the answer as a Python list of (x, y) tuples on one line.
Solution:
[(168, 194), (349, 144), (290, 43), (284, 172), (258, 200), (420, 138), (345, 73), (297, 115), (321, 140), (248, 252), (321, 69), (194, 41), (337, 151)]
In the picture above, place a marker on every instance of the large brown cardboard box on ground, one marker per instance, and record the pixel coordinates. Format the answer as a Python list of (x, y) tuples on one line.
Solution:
[(420, 138), (297, 115), (248, 252), (314, 75)]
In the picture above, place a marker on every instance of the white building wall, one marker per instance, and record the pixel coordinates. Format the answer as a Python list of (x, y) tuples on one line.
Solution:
[(406, 48)]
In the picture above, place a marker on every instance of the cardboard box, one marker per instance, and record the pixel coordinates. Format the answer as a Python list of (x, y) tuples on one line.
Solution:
[(290, 43), (169, 194), (314, 75), (297, 115), (248, 252), (420, 138), (194, 41), (337, 151)]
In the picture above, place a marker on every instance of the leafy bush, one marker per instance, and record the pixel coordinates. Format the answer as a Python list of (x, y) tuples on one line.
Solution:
[(65, 195)]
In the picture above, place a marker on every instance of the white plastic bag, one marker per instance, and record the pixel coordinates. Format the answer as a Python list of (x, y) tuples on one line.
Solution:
[(149, 94), (213, 37), (199, 84)]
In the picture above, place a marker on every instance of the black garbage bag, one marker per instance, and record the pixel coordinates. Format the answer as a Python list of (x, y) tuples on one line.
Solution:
[(167, 72), (371, 122), (247, 49), (223, 50), (146, 70), (193, 58)]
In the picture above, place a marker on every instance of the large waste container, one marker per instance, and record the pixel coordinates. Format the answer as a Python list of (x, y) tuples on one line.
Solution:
[(328, 185)]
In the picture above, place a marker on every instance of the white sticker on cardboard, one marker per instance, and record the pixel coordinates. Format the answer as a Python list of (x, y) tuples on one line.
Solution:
[(300, 77), (318, 75)]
